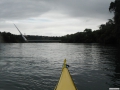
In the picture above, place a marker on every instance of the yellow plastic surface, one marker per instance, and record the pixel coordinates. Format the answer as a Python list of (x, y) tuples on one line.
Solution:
[(65, 82)]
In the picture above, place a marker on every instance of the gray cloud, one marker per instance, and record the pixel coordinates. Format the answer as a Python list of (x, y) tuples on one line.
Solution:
[(85, 8), (56, 17), (19, 9)]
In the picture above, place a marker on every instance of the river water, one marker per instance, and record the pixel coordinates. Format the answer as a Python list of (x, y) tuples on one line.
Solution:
[(37, 66)]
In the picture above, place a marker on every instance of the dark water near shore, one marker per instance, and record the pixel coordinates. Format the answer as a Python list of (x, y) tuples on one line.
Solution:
[(38, 66)]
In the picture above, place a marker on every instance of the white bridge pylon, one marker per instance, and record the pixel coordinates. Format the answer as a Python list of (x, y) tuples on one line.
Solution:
[(21, 34)]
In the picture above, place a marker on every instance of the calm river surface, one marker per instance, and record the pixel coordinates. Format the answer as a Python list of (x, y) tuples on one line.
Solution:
[(37, 66)]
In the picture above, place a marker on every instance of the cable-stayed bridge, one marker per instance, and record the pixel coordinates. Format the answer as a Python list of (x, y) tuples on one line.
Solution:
[(36, 41)]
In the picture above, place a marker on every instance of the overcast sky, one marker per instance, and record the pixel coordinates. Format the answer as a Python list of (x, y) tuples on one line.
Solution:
[(53, 17)]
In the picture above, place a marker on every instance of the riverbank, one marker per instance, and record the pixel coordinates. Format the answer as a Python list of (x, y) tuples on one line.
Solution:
[(1, 39)]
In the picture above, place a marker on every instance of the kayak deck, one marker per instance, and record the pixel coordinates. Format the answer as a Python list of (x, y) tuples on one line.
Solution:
[(65, 82)]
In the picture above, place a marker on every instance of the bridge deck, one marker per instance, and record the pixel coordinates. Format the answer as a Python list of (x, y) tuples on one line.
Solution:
[(44, 41)]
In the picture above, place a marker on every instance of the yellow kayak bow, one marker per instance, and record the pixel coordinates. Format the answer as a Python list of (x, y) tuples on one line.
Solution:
[(65, 82)]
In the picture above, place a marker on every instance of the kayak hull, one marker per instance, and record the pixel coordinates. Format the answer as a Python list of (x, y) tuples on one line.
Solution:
[(65, 82)]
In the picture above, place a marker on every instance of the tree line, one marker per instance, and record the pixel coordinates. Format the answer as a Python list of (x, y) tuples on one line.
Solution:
[(108, 33), (105, 34), (12, 38)]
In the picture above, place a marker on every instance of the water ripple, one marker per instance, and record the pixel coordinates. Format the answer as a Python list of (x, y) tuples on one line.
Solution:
[(38, 66)]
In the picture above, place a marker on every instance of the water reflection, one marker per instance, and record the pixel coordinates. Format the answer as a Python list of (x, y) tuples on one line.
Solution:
[(115, 77), (38, 66)]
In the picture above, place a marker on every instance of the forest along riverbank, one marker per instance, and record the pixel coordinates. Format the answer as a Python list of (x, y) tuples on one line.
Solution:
[(1, 39)]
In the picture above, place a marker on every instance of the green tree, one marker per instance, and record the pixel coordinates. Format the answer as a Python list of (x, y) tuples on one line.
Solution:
[(115, 8)]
